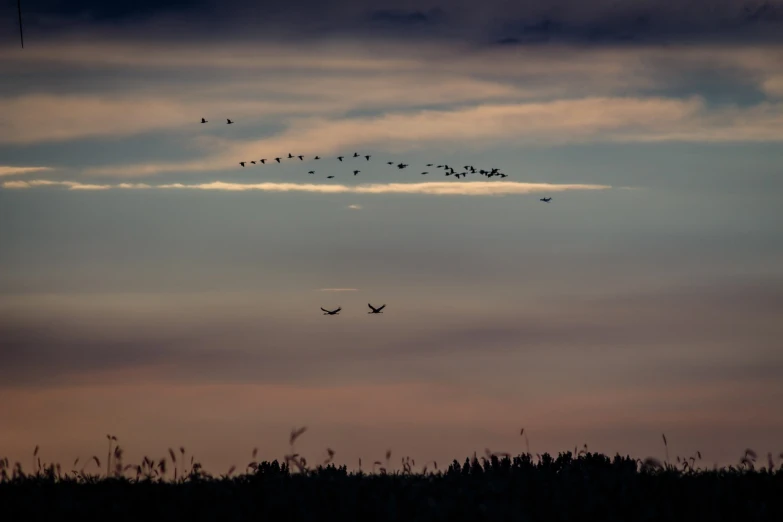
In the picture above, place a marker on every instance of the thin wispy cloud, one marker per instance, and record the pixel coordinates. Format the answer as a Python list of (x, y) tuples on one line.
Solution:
[(17, 171), (454, 188), (355, 207), (586, 120), (71, 185)]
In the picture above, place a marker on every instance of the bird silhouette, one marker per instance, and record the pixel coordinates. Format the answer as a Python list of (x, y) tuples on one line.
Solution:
[(277, 160), (263, 160), (242, 163), (429, 164), (340, 158), (329, 177), (290, 155), (317, 157), (331, 312), (545, 200), (204, 121), (301, 158), (253, 162), (423, 173), (390, 163), (355, 172), (375, 310), (355, 154), (368, 157), (311, 172), (228, 122)]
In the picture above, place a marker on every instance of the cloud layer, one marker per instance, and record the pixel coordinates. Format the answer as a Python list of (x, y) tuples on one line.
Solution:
[(454, 188), (16, 171)]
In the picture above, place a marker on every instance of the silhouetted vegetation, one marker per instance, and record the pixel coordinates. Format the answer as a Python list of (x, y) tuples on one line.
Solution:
[(571, 486)]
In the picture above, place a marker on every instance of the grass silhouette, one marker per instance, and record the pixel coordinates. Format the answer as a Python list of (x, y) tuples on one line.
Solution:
[(496, 486)]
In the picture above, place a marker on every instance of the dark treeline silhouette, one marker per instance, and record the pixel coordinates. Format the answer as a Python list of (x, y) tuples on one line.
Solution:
[(586, 486)]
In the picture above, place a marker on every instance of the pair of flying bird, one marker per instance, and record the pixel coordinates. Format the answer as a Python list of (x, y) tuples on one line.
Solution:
[(373, 310)]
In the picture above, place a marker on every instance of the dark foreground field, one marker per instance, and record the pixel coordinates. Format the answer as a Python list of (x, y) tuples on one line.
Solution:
[(588, 487)]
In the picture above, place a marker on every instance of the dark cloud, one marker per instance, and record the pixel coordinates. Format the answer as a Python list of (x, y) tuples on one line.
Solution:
[(534, 22), (398, 17), (642, 22), (115, 10)]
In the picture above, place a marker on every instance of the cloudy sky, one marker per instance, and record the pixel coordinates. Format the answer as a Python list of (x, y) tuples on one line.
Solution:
[(152, 288)]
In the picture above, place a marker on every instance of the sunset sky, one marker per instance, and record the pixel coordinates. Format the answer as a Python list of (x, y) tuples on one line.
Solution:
[(154, 289)]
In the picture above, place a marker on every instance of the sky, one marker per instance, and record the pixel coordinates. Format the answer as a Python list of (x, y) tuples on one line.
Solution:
[(154, 289)]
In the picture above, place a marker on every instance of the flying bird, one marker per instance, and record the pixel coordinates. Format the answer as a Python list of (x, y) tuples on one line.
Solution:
[(355, 154), (545, 200), (204, 121), (242, 163), (317, 157), (277, 160), (311, 172), (355, 172), (263, 160), (423, 173), (228, 122), (375, 310), (340, 158), (301, 158), (390, 163), (329, 177), (368, 157), (429, 164), (290, 155), (253, 162), (331, 312)]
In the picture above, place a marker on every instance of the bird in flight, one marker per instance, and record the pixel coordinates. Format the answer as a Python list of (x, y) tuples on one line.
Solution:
[(228, 122), (204, 121), (545, 200), (301, 158), (290, 155), (368, 157), (277, 160), (355, 154), (429, 164), (355, 172), (242, 163), (375, 310), (253, 162), (423, 173), (340, 158), (390, 163), (331, 312), (263, 160), (401, 166), (317, 157), (311, 172), (329, 177)]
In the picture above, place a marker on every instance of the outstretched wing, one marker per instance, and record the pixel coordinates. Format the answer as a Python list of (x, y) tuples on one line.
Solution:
[(325, 310), (338, 309), (371, 307), (381, 308)]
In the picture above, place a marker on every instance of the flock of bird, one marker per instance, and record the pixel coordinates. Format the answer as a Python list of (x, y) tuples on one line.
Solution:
[(449, 171)]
